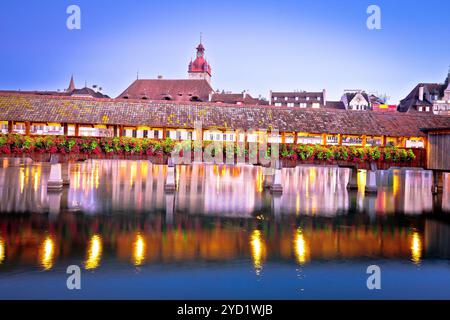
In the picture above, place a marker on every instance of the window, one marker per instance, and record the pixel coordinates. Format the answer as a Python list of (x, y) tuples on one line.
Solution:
[(420, 109), (427, 109), (302, 105), (290, 104), (318, 99), (296, 98), (156, 134), (145, 134), (134, 133), (278, 104), (286, 98), (275, 98), (307, 98), (316, 105)]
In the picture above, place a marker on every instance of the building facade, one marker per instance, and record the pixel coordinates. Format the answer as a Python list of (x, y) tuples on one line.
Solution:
[(298, 99), (356, 100), (429, 98)]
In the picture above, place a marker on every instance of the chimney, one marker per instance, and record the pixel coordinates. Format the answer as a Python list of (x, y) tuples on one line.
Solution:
[(324, 97), (160, 77), (421, 93)]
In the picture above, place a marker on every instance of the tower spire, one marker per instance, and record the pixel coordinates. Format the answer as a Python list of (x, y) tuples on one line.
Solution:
[(71, 85)]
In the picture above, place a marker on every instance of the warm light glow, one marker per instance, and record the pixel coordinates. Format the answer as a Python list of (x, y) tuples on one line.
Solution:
[(2, 250), (396, 184), (300, 247), (47, 253), (94, 252), (96, 177), (416, 248), (133, 173), (362, 179), (258, 250), (36, 178), (139, 250), (259, 181), (22, 179), (177, 177)]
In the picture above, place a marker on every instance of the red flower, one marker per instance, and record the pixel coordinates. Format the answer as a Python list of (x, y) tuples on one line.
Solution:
[(53, 149)]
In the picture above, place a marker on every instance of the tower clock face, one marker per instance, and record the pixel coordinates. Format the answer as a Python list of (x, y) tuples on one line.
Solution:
[(199, 55)]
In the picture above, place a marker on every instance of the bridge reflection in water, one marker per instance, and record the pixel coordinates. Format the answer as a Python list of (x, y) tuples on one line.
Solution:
[(118, 210)]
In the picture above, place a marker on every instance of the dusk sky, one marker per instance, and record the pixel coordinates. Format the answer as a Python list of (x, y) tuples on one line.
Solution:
[(251, 45)]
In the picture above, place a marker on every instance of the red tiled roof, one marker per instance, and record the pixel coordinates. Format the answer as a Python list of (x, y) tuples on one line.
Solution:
[(236, 98), (335, 105), (60, 109), (162, 89)]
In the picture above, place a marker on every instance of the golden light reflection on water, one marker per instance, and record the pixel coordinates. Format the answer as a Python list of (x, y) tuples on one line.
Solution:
[(94, 252), (258, 249), (416, 248), (362, 179), (47, 253), (395, 184), (139, 250), (36, 177), (22, 179), (259, 181), (2, 250), (300, 246)]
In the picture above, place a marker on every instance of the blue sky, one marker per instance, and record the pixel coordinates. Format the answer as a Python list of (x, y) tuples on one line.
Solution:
[(251, 45)]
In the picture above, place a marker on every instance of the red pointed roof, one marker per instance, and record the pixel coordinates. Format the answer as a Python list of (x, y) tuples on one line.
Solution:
[(200, 64)]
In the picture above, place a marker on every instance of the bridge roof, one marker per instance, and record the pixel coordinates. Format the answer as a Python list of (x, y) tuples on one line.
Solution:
[(33, 108)]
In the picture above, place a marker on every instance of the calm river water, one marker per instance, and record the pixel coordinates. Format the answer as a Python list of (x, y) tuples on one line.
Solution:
[(221, 234)]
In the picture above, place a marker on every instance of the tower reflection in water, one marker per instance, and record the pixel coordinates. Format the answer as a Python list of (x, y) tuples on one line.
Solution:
[(122, 206)]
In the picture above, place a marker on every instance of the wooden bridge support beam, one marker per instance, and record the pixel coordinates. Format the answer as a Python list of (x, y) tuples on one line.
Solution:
[(10, 126), (438, 182), (27, 128), (353, 179)]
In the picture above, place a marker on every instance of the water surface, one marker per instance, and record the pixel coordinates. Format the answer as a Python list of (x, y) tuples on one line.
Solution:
[(221, 235)]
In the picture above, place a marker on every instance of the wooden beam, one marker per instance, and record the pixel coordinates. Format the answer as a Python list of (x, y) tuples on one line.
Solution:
[(324, 139), (77, 130), (66, 129), (295, 138), (10, 126), (164, 133), (340, 139), (283, 137), (27, 128), (383, 141), (364, 140)]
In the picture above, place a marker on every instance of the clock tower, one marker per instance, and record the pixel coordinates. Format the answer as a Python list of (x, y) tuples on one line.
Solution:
[(199, 69)]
